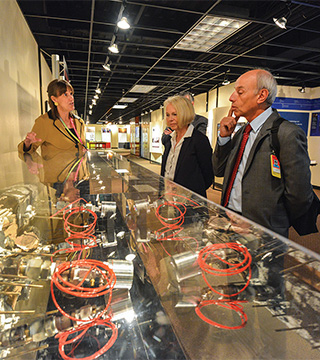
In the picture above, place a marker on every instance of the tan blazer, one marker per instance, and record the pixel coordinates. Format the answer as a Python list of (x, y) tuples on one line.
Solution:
[(54, 137)]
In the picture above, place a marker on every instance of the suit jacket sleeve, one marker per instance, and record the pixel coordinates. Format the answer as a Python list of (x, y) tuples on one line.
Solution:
[(220, 158), (40, 129), (295, 169)]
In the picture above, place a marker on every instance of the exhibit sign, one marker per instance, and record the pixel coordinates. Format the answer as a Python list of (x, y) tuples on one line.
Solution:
[(90, 134), (315, 124), (106, 135), (299, 118), (282, 103), (156, 140)]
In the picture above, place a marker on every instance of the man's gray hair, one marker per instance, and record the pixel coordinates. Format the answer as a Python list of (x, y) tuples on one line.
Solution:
[(187, 94), (265, 80)]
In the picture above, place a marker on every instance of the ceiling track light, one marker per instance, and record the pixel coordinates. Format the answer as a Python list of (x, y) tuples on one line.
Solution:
[(302, 89), (225, 81), (106, 66), (123, 23), (282, 21), (98, 90), (114, 48)]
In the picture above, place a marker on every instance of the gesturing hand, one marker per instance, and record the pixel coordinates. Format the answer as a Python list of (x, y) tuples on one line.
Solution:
[(228, 124), (30, 139)]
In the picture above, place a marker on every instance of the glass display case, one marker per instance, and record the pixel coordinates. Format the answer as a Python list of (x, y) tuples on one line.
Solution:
[(104, 259)]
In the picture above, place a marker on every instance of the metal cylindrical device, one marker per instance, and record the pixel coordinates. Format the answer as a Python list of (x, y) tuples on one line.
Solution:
[(123, 270), (108, 207), (186, 265), (121, 305)]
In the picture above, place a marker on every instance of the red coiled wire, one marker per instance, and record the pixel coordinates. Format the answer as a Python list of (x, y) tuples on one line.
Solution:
[(78, 290), (82, 232), (173, 226), (83, 328), (231, 305), (232, 269)]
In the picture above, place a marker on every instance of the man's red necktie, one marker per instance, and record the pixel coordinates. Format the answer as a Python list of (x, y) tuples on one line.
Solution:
[(244, 140)]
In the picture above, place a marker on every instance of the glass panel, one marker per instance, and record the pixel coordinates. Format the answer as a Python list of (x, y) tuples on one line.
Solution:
[(102, 258)]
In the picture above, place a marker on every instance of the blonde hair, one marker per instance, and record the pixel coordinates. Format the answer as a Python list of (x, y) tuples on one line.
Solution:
[(56, 88), (184, 109)]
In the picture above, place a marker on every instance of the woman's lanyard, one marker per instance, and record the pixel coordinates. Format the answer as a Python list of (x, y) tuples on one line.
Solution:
[(78, 163), (71, 166), (77, 137)]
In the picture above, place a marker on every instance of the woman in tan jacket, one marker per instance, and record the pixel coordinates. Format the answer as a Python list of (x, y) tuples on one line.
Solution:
[(58, 129)]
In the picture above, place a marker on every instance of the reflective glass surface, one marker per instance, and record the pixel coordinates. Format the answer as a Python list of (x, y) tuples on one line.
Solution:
[(102, 258)]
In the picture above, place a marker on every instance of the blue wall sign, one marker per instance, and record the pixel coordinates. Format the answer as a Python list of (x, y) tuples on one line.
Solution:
[(315, 124), (282, 103), (298, 118)]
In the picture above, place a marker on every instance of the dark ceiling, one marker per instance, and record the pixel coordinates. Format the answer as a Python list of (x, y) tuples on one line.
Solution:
[(82, 31)]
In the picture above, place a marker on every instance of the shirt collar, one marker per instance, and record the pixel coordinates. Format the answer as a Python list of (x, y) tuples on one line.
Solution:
[(260, 120), (188, 133)]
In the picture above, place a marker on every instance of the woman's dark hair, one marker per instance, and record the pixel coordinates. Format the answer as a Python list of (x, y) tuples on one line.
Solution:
[(56, 88)]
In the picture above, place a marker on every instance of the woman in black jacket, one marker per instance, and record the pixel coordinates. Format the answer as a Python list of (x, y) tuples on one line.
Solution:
[(187, 155)]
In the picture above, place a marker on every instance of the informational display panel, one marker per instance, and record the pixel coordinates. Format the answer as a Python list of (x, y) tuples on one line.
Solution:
[(122, 135), (282, 103), (90, 133), (132, 138), (299, 118), (106, 135), (156, 145), (315, 125), (144, 140)]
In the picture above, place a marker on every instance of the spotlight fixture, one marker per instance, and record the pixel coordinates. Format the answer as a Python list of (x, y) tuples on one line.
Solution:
[(123, 23), (114, 48), (96, 96), (225, 81), (106, 66), (282, 21), (98, 90), (90, 112), (90, 106), (302, 89), (94, 102)]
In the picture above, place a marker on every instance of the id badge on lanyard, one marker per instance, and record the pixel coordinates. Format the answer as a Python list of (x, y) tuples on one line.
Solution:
[(275, 166)]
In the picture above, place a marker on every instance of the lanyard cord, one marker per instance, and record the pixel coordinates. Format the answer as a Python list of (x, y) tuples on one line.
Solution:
[(75, 130), (72, 164), (78, 162), (77, 138)]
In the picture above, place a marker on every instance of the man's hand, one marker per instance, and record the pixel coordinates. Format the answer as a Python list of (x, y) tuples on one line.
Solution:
[(228, 124), (30, 139)]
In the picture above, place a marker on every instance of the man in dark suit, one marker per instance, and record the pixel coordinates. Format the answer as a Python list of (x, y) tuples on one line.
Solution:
[(262, 191), (199, 122)]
